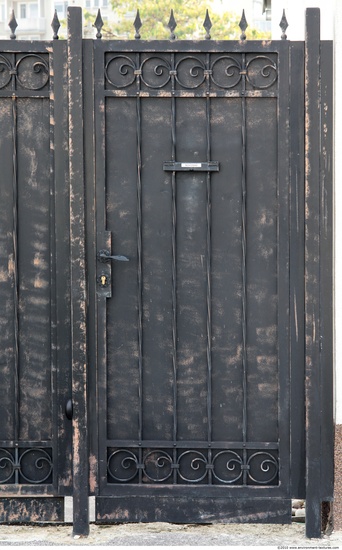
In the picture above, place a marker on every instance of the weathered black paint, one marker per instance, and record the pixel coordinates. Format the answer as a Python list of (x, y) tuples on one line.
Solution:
[(318, 273), (78, 276), (62, 289), (312, 273), (296, 272), (33, 337), (183, 509), (32, 509), (170, 326), (194, 350)]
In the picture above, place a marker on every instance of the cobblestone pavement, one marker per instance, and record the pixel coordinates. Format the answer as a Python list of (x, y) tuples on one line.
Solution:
[(164, 534)]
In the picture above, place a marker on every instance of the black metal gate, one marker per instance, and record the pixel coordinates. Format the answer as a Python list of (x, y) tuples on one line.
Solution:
[(193, 330), (184, 321)]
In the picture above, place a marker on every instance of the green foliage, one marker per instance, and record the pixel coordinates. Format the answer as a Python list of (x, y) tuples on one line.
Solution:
[(189, 15)]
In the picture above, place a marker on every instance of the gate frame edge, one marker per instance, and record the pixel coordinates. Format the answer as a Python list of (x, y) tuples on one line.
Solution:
[(318, 316), (79, 360)]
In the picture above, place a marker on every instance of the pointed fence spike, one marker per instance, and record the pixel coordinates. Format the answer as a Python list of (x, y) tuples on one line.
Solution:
[(55, 25), (243, 26), (98, 24), (172, 25), (137, 25), (13, 25), (283, 25), (207, 25)]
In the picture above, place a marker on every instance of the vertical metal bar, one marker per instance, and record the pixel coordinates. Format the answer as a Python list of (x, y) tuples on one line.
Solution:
[(62, 271), (312, 271), (16, 462), (208, 275), (15, 266), (78, 276), (297, 390), (103, 240), (283, 272), (243, 270), (174, 267), (53, 296), (91, 204), (139, 273)]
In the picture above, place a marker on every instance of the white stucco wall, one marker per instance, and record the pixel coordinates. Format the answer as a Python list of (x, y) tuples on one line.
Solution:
[(338, 206)]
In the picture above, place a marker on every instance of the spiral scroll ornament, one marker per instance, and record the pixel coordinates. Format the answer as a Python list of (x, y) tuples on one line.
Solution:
[(25, 466), (190, 72), (29, 72), (192, 466)]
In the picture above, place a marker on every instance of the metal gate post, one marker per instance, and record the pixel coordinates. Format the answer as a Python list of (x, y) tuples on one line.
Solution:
[(78, 277), (312, 273)]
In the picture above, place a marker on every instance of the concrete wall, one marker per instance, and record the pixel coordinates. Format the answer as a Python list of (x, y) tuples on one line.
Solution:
[(338, 261)]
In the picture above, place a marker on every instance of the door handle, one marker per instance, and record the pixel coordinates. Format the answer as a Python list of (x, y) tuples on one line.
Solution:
[(104, 256)]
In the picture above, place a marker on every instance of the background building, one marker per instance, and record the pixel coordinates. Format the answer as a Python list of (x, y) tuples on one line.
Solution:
[(33, 18)]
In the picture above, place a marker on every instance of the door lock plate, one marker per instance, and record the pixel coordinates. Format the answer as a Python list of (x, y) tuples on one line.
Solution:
[(103, 280)]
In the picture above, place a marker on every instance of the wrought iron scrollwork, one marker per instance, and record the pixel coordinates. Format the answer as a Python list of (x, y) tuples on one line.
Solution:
[(190, 72), (155, 67), (266, 464), (122, 465), (260, 72), (192, 466), (157, 466), (261, 66), (231, 467), (31, 72), (226, 72), (32, 466), (120, 67)]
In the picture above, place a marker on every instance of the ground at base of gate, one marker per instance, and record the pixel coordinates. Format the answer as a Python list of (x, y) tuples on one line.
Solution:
[(164, 534)]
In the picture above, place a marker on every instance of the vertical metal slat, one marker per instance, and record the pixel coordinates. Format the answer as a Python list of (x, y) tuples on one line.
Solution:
[(243, 271), (53, 295), (208, 277), (15, 262), (312, 273), (78, 276), (174, 268), (139, 270)]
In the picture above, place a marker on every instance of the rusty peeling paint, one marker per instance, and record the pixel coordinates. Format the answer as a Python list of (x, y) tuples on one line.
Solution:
[(92, 473), (33, 509)]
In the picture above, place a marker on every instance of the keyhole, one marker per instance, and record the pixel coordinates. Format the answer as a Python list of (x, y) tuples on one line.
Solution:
[(103, 280)]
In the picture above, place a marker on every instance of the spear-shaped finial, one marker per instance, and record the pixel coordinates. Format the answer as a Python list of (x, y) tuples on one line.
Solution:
[(172, 25), (55, 25), (243, 26), (13, 25), (98, 24), (137, 25), (283, 25), (207, 25)]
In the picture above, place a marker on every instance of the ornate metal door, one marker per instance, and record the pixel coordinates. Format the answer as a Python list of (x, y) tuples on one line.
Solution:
[(192, 218), (35, 435)]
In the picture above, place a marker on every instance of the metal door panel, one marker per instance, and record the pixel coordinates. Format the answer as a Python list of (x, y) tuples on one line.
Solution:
[(32, 407), (188, 342)]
